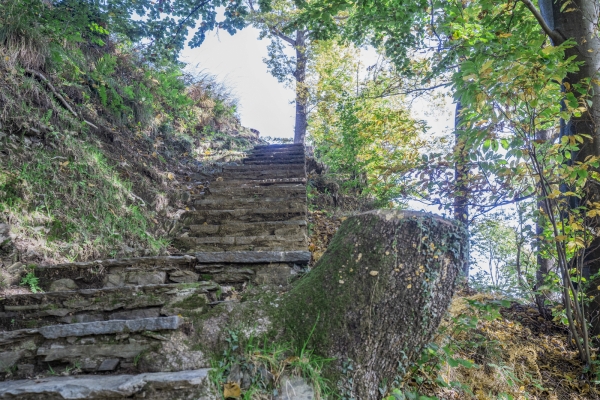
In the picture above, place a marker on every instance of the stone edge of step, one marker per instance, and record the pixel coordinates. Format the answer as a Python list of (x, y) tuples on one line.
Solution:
[(251, 257), (101, 387), (96, 328)]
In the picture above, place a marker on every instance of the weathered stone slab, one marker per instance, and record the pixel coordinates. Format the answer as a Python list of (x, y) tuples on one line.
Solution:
[(260, 167), (109, 364), (215, 217), (88, 305), (9, 358), (135, 314), (151, 386), (183, 276), (108, 327), (66, 353), (62, 285), (254, 257), (124, 262), (291, 228), (135, 278), (252, 183), (13, 336)]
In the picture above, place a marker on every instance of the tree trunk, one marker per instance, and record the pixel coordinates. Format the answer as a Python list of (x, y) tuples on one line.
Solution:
[(301, 90), (376, 297), (544, 265), (461, 180), (579, 21)]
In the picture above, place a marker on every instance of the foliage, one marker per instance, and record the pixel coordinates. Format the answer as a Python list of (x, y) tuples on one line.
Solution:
[(266, 363), (32, 281), (499, 249), (164, 25), (77, 205), (491, 348), (367, 138), (509, 94), (69, 189)]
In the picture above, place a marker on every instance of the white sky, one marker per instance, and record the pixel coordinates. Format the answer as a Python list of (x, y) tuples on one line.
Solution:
[(264, 103)]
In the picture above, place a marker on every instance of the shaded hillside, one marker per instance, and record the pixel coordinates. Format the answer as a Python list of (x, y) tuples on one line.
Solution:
[(97, 144)]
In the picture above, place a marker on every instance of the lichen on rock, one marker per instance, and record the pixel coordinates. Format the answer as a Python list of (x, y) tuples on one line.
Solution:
[(377, 295)]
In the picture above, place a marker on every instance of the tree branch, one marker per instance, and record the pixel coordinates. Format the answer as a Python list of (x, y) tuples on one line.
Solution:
[(60, 98), (555, 36), (282, 36)]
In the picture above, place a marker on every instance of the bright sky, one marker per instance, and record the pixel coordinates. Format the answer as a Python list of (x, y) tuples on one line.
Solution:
[(264, 103)]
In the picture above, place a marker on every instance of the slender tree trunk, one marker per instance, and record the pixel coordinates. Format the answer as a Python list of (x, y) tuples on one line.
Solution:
[(578, 20), (301, 90), (544, 265), (461, 180)]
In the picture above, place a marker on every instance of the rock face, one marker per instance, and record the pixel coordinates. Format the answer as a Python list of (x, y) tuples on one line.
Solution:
[(377, 295)]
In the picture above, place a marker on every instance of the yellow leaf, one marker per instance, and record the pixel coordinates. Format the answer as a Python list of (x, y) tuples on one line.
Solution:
[(408, 286), (64, 164), (374, 273), (231, 389), (504, 35), (560, 238), (170, 176)]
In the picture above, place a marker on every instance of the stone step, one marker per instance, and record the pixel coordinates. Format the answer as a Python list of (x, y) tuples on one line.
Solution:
[(298, 166), (98, 346), (278, 154), (231, 203), (289, 228), (270, 162), (292, 189), (242, 197), (279, 146), (297, 257), (107, 274), (296, 150), (114, 273), (260, 175), (182, 385), (237, 243), (35, 310), (214, 217), (275, 159), (251, 183)]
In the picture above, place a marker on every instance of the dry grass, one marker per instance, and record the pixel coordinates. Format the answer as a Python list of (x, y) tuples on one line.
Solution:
[(518, 356)]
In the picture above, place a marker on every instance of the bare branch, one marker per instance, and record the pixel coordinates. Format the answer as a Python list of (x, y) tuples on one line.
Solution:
[(60, 98)]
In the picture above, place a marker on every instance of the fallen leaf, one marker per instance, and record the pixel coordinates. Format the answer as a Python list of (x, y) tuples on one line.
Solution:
[(231, 389), (170, 176), (374, 273)]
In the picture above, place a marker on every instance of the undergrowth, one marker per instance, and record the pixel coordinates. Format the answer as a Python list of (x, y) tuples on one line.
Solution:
[(254, 369), (491, 348), (96, 140), (72, 202)]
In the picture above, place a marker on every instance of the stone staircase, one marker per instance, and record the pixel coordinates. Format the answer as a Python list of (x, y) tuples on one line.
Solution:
[(136, 327)]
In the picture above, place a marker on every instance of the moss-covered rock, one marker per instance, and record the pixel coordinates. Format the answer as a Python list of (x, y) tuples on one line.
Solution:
[(377, 295)]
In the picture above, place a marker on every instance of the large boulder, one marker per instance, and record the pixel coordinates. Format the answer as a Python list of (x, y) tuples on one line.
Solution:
[(377, 296)]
